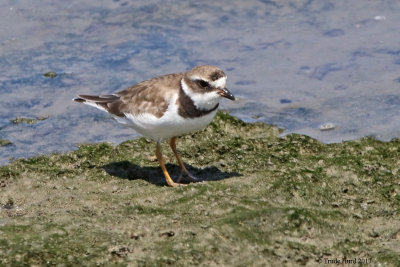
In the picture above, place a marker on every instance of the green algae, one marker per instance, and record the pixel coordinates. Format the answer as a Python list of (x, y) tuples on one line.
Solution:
[(262, 200), (4, 142), (19, 120), (50, 74)]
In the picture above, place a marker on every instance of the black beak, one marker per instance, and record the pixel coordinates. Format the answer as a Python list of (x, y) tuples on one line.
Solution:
[(225, 93)]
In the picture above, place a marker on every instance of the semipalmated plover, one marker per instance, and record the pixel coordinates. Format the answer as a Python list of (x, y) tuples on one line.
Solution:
[(167, 107)]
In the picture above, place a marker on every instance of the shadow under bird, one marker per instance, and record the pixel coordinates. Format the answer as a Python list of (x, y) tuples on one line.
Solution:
[(166, 107)]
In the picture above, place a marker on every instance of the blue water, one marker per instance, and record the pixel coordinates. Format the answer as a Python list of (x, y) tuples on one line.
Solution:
[(297, 64)]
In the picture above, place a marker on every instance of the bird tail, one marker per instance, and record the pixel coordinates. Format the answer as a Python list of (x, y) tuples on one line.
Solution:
[(106, 103)]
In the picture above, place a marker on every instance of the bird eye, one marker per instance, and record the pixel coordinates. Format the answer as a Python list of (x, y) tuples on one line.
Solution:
[(203, 83)]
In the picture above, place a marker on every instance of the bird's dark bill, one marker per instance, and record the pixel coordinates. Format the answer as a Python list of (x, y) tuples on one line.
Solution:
[(225, 93)]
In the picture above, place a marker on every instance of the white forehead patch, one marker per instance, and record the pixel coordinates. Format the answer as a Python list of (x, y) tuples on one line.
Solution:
[(220, 83)]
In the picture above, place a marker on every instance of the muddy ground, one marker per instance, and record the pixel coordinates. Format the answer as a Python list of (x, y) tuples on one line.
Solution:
[(264, 200)]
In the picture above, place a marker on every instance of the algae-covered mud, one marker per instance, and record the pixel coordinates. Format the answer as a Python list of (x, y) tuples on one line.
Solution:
[(264, 200)]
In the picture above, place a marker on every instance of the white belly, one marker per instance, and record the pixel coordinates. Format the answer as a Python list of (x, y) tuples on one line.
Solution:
[(169, 125)]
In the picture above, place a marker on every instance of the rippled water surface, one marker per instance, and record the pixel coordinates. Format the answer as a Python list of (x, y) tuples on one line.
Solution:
[(328, 69)]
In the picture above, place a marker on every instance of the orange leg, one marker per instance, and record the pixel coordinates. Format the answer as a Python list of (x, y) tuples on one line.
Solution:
[(185, 172), (168, 178)]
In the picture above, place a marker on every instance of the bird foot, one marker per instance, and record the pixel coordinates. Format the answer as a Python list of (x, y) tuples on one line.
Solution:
[(187, 176)]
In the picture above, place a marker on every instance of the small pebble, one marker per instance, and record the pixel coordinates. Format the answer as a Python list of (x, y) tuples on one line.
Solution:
[(327, 126), (379, 18)]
